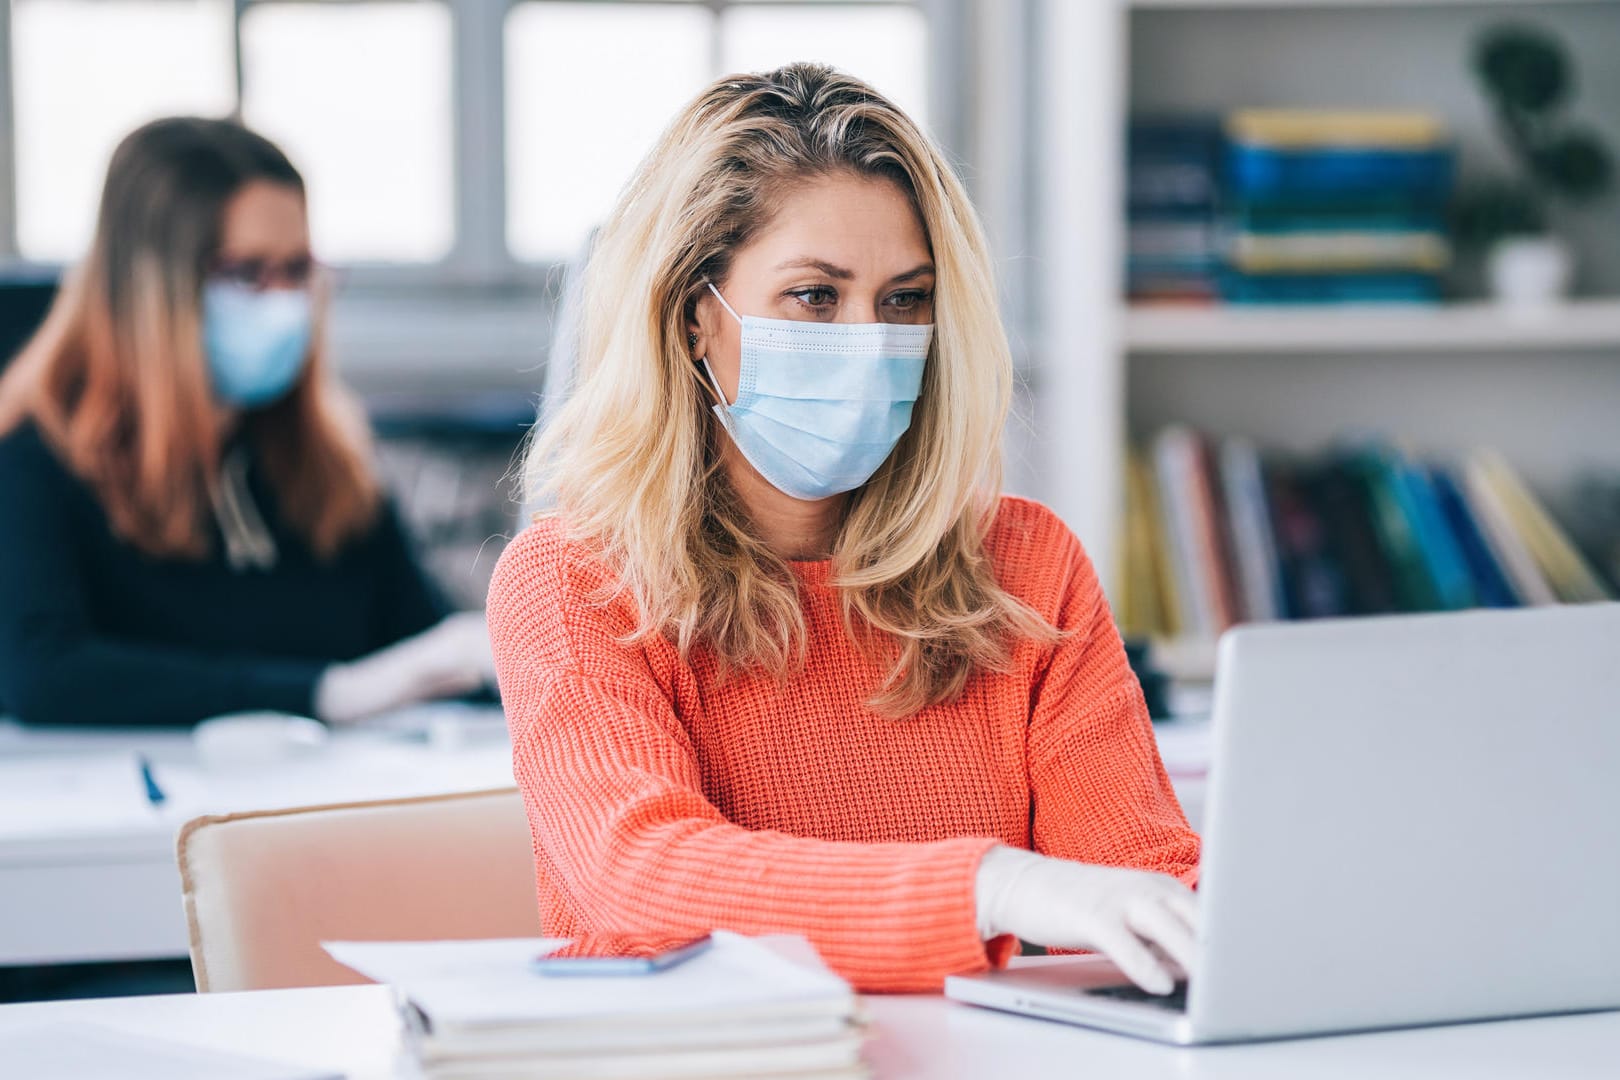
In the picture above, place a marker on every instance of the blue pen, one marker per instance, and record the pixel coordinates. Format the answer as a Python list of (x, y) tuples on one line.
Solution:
[(154, 794)]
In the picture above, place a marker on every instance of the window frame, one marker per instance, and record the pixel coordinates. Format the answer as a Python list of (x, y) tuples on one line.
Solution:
[(479, 272)]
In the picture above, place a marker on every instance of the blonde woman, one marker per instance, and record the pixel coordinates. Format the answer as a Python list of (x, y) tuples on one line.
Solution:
[(781, 660), (193, 525)]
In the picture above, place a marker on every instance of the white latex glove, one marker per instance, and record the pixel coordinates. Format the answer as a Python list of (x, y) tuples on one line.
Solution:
[(1071, 905), (446, 660)]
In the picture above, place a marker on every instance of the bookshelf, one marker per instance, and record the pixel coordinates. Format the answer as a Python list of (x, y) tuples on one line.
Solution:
[(1542, 386), (1460, 328), (1185, 5)]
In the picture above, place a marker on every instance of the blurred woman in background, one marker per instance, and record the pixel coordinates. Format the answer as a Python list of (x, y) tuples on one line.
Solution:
[(192, 522)]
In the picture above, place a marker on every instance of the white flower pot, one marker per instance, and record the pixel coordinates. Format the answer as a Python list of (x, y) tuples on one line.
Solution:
[(1529, 270)]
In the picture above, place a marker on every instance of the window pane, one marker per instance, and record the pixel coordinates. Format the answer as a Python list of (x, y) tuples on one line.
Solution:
[(87, 72), (359, 97), (588, 89), (885, 45)]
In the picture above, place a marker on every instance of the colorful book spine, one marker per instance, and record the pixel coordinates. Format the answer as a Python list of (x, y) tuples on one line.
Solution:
[(1215, 547), (1437, 545), (1572, 578), (1340, 498), (1503, 538), (1491, 584), (1161, 567), (1344, 288), (1313, 580), (1331, 174), (1217, 533), (1140, 607), (1335, 207), (1254, 549), (1357, 251), (1300, 129), (1194, 528), (1172, 192), (1397, 532)]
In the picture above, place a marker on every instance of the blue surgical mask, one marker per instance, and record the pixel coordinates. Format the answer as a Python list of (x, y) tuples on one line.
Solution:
[(820, 406), (256, 342)]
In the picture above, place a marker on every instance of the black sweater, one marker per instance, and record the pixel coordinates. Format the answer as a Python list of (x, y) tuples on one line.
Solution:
[(94, 631)]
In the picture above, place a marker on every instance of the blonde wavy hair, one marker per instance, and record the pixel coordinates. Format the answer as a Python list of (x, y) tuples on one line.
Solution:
[(630, 461)]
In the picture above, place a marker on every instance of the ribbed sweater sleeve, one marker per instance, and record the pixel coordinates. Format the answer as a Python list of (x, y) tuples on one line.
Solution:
[(622, 827), (1100, 793)]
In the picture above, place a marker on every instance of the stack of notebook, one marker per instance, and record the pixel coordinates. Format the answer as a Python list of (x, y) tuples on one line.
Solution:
[(1332, 206), (747, 1007)]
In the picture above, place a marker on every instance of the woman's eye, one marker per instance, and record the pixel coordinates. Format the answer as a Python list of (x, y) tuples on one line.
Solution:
[(816, 296), (908, 301)]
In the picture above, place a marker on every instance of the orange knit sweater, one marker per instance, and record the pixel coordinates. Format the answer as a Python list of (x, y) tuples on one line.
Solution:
[(664, 802)]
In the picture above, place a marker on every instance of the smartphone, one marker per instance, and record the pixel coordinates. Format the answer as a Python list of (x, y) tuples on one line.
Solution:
[(623, 965)]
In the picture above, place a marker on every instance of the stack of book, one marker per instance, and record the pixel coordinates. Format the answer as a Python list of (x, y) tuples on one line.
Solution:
[(747, 1007), (1335, 207), (1172, 183), (1216, 534)]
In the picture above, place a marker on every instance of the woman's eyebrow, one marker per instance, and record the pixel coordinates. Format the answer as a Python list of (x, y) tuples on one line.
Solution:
[(914, 272), (841, 274), (817, 264)]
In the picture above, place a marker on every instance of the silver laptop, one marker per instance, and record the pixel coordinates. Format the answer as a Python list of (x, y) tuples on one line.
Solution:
[(1411, 820)]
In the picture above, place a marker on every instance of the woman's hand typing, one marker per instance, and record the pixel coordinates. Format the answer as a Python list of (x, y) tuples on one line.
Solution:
[(1117, 912)]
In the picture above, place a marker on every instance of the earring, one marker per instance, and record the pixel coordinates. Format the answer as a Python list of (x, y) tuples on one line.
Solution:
[(691, 341)]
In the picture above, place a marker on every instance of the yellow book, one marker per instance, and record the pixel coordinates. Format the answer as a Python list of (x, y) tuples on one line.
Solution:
[(1147, 597), (1314, 252), (1139, 603), (1570, 575), (1164, 577), (1308, 128)]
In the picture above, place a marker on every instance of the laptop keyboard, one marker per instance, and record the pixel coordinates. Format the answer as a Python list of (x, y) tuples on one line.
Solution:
[(1175, 1001)]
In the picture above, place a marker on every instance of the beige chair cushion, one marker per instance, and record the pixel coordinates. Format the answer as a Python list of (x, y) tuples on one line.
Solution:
[(263, 890)]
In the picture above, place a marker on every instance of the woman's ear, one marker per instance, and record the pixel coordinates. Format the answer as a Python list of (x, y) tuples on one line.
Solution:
[(696, 340)]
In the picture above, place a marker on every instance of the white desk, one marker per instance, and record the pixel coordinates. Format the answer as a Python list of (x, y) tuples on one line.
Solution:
[(105, 886), (108, 888), (353, 1028)]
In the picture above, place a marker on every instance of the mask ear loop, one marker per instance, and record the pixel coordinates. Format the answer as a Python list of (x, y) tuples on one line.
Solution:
[(714, 382), (723, 303)]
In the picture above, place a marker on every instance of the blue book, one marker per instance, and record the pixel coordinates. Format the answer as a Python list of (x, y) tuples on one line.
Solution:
[(1390, 215), (1492, 585), (1173, 163), (1260, 174), (1441, 554), (1375, 288)]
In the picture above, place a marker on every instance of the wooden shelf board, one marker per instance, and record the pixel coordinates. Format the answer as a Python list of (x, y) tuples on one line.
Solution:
[(1473, 327), (1306, 5)]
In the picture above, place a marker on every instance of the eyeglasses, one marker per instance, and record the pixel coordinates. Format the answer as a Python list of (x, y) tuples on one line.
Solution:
[(263, 274)]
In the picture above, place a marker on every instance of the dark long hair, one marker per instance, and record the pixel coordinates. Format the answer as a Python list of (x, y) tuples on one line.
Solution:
[(116, 380)]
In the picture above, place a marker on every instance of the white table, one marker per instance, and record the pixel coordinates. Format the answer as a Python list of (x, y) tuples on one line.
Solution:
[(105, 886), (354, 1029), (81, 885)]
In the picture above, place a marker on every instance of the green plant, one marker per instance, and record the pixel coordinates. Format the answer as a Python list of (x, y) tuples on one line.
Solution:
[(1527, 78)]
